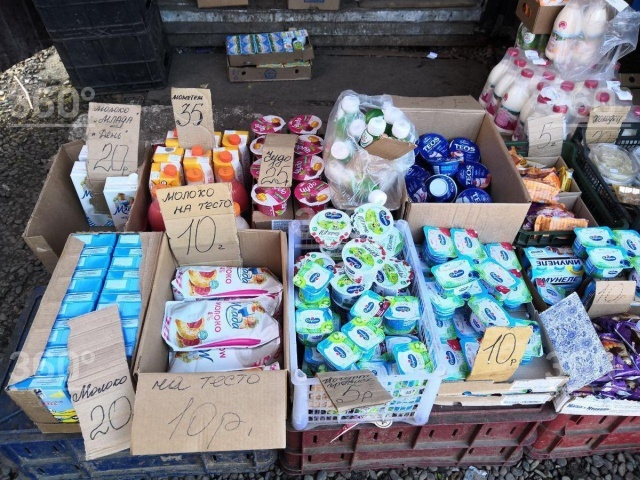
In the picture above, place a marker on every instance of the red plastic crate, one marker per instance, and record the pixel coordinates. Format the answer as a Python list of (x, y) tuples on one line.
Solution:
[(454, 436), (583, 435)]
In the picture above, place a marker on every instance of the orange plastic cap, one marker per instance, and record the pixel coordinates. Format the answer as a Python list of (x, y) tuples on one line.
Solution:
[(226, 174), (234, 139), (171, 170), (225, 156), (175, 132), (194, 175), (197, 150), (236, 208)]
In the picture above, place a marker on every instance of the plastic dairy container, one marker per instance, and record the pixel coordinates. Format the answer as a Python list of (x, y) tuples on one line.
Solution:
[(81, 186), (496, 74), (566, 27), (313, 195), (304, 125), (503, 85), (307, 167), (513, 100), (309, 145), (268, 124), (393, 278), (339, 351), (256, 146), (271, 201), (614, 163), (402, 315), (345, 291), (330, 227), (372, 221), (119, 192)]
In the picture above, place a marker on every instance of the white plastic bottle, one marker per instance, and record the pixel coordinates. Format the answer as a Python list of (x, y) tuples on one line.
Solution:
[(375, 128), (580, 106), (541, 109), (562, 110), (593, 29), (348, 113), (520, 132), (503, 85), (402, 130), (604, 98), (356, 129), (567, 26), (539, 72), (514, 99), (496, 74)]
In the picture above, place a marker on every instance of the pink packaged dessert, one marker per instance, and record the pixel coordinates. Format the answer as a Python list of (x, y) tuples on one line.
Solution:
[(307, 167), (267, 124), (255, 168), (309, 145), (200, 283), (304, 124), (271, 201), (256, 146), (312, 194)]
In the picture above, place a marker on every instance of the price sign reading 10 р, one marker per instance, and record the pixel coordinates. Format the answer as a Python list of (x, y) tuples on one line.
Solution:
[(500, 353), (200, 223)]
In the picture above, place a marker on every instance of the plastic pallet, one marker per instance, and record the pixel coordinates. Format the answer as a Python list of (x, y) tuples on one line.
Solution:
[(39, 456), (583, 435), (118, 62)]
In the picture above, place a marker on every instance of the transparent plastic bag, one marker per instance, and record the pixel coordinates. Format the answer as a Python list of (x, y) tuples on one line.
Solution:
[(590, 37), (353, 173)]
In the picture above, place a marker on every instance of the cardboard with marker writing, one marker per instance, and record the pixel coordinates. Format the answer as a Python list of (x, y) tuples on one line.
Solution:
[(193, 115), (500, 353), (546, 135), (604, 124), (200, 223), (612, 297), (348, 390), (276, 168), (100, 382)]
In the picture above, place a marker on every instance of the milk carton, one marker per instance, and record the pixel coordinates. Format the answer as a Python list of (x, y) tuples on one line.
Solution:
[(119, 192), (79, 180), (197, 166)]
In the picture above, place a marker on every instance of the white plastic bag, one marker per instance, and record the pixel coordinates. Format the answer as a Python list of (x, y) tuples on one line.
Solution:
[(351, 171)]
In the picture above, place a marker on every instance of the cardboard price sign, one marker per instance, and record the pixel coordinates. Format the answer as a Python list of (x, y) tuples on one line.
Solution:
[(605, 123), (546, 135), (193, 114), (209, 412), (612, 297), (201, 224), (500, 353), (348, 390), (113, 133), (100, 382), (276, 169)]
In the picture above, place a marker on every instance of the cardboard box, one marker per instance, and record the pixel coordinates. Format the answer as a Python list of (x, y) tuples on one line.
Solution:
[(537, 18), (313, 4), (34, 345), (222, 3), (566, 198), (267, 74), (58, 212), (464, 117), (172, 411), (255, 59)]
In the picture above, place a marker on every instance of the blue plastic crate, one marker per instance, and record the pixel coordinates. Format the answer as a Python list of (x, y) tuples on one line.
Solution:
[(59, 456)]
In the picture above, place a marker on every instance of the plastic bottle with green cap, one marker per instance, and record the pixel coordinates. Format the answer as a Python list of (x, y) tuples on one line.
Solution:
[(375, 128)]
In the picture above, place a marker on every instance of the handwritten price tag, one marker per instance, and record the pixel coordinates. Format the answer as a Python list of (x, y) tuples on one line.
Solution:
[(500, 353), (546, 135), (612, 297), (100, 382), (348, 390), (605, 123), (193, 114), (207, 412), (201, 224), (276, 169)]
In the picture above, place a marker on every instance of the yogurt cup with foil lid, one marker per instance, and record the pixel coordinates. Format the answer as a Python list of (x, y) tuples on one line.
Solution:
[(304, 125), (433, 146), (313, 357), (393, 243), (592, 237), (455, 365), (370, 307), (473, 174), (444, 306), (312, 194), (366, 335), (402, 315), (473, 195), (309, 145), (454, 273), (335, 253), (518, 295), (634, 276), (505, 255), (413, 358), (550, 293), (630, 241), (464, 291), (316, 321), (606, 262), (534, 345), (324, 301), (255, 169), (372, 221), (377, 367), (465, 149), (256, 145), (267, 124), (463, 326), (470, 349), (313, 279), (271, 201), (467, 244), (445, 328), (362, 259), (330, 227), (345, 291), (489, 312), (394, 277), (498, 278), (321, 259), (339, 351), (438, 245), (307, 167)]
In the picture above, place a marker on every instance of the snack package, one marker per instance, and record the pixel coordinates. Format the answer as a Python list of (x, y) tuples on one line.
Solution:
[(623, 365), (198, 283), (220, 323)]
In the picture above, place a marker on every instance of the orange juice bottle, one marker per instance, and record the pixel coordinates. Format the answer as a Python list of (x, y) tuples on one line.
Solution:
[(200, 159), (164, 175), (194, 175), (226, 157)]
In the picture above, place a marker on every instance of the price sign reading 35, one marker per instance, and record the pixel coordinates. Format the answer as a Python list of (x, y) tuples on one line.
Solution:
[(193, 115)]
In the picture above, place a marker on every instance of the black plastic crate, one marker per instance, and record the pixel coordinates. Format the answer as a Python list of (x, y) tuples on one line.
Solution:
[(67, 19), (117, 63)]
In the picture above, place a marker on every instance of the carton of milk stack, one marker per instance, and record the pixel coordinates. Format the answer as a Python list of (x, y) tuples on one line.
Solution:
[(119, 192), (79, 180)]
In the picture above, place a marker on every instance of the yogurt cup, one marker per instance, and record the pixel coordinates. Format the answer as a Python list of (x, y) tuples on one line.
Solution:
[(255, 169), (402, 315), (309, 145), (438, 246), (630, 241), (606, 262), (366, 335), (313, 195), (372, 221), (345, 291), (464, 149), (413, 358), (518, 295), (300, 301), (470, 349), (393, 278), (473, 174), (304, 125), (330, 228), (634, 276), (592, 237), (489, 312), (256, 146), (335, 253), (393, 243), (271, 201), (307, 167), (321, 259), (313, 325), (550, 293), (443, 306), (463, 326), (339, 351), (455, 365), (313, 279), (370, 307), (497, 277), (467, 244), (473, 195), (362, 259), (454, 273), (444, 167), (505, 255), (433, 146), (267, 124), (441, 189)]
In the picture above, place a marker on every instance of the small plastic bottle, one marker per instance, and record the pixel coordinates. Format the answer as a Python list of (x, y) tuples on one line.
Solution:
[(402, 130), (340, 151), (375, 128), (496, 74), (510, 76), (238, 192), (506, 118)]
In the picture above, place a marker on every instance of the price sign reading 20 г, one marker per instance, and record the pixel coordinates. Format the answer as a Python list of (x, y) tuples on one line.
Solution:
[(201, 224), (500, 353)]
